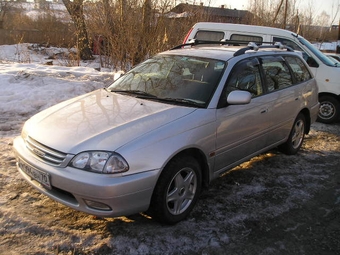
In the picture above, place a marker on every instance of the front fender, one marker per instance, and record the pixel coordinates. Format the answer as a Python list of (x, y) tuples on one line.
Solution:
[(156, 149)]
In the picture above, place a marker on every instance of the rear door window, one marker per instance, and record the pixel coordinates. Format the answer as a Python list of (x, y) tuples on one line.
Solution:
[(277, 73)]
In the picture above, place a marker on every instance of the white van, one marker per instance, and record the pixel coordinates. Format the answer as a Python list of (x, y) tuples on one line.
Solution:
[(326, 72)]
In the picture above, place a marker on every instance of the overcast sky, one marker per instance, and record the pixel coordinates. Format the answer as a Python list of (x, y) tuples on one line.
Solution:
[(329, 6)]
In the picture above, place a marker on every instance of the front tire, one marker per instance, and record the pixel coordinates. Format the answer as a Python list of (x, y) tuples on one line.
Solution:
[(177, 190), (329, 109), (296, 136)]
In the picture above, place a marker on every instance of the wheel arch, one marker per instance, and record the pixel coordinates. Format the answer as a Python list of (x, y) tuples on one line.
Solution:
[(321, 94), (159, 205), (306, 113), (198, 155)]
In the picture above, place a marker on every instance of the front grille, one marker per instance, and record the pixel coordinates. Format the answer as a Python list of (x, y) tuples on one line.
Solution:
[(46, 154)]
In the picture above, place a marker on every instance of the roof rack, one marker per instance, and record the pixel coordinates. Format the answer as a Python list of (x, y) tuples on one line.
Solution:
[(255, 46), (194, 42)]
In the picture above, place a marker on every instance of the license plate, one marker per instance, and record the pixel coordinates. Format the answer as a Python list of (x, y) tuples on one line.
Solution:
[(38, 175)]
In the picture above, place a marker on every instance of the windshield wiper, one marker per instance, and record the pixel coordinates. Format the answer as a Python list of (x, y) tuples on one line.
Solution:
[(138, 93), (183, 101), (146, 95)]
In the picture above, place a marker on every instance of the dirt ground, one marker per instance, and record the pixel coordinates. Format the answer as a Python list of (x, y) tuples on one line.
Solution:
[(273, 204)]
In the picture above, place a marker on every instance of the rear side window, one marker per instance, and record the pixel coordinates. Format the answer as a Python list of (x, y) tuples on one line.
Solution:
[(214, 36), (299, 69), (246, 38), (277, 74)]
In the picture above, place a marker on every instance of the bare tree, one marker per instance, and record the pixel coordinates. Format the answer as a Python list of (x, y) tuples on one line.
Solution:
[(323, 22), (263, 12), (278, 11), (4, 8), (335, 11), (75, 9), (133, 30)]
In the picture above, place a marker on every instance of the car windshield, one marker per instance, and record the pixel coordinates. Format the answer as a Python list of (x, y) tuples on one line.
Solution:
[(317, 52), (173, 79)]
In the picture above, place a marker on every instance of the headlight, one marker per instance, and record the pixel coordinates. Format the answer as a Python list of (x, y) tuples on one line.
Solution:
[(100, 162)]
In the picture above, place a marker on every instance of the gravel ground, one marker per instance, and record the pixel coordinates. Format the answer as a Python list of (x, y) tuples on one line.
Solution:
[(272, 204)]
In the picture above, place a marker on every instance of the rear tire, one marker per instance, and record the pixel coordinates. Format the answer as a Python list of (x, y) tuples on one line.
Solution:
[(296, 136), (177, 190), (329, 109)]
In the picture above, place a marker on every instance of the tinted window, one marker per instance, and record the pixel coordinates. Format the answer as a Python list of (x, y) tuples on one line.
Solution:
[(209, 35), (299, 69), (245, 76), (247, 38), (276, 72)]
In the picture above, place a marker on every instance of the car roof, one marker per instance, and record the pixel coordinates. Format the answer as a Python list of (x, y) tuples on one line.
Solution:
[(225, 52), (217, 26), (204, 52)]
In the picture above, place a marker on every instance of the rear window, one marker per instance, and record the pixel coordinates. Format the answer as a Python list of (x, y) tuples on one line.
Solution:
[(209, 35)]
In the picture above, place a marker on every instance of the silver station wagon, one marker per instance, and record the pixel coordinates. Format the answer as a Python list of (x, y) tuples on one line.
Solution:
[(162, 132)]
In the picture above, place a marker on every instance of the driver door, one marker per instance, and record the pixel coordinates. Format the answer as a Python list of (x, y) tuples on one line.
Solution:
[(241, 129)]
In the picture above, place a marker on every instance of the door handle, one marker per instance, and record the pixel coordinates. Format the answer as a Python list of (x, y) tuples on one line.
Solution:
[(264, 110)]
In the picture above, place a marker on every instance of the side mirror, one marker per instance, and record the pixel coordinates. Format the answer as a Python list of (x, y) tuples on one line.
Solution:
[(237, 97)]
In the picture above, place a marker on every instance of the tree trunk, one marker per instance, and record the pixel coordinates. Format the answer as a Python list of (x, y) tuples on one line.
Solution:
[(75, 9), (4, 8)]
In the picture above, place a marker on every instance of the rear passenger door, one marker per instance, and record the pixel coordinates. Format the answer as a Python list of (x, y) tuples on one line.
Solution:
[(284, 100)]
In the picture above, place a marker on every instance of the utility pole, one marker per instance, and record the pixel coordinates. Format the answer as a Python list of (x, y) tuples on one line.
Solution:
[(285, 15), (338, 44)]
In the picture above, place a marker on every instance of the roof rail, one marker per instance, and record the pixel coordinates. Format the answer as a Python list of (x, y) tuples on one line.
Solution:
[(194, 42), (253, 46), (250, 45)]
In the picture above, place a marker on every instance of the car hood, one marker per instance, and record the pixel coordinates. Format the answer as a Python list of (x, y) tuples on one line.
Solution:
[(100, 120)]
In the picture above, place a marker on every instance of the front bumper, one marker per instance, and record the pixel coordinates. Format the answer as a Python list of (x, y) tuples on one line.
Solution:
[(83, 191)]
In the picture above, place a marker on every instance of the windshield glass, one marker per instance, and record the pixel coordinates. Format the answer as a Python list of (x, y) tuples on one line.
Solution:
[(172, 79), (317, 52)]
